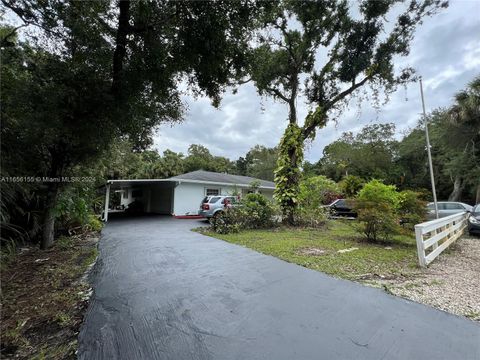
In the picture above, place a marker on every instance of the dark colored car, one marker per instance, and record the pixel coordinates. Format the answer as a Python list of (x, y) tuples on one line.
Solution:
[(474, 221), (341, 207)]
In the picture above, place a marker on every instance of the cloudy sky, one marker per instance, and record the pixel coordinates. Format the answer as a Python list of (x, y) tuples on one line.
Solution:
[(445, 52)]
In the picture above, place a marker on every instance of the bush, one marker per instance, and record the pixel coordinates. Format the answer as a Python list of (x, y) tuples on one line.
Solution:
[(412, 209), (377, 207), (311, 217), (75, 209), (94, 223), (254, 211), (377, 222), (377, 192), (351, 185), (258, 211), (318, 190), (228, 222)]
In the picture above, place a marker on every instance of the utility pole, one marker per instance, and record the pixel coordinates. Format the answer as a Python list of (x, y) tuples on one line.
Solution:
[(432, 178)]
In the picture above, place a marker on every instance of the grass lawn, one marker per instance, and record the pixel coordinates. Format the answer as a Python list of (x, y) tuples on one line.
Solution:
[(319, 250)]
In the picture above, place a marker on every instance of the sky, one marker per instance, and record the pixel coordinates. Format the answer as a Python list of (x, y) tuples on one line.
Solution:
[(445, 52)]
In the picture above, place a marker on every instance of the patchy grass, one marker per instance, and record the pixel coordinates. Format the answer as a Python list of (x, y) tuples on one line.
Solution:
[(319, 250), (44, 299)]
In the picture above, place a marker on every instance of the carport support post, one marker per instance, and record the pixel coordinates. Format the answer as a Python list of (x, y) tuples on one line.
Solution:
[(107, 201)]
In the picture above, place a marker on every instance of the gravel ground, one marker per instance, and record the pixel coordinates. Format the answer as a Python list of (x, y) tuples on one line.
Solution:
[(450, 283)]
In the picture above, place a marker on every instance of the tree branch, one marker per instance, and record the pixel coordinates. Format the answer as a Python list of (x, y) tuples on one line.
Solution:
[(278, 94), (347, 92), (309, 128)]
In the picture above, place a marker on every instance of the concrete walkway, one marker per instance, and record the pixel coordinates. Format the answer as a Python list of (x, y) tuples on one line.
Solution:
[(164, 292)]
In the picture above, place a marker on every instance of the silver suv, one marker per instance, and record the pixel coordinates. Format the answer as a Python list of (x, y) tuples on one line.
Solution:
[(447, 208), (213, 204)]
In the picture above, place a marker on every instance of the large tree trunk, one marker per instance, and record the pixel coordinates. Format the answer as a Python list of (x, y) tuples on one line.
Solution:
[(291, 155), (49, 217), (57, 166), (457, 189)]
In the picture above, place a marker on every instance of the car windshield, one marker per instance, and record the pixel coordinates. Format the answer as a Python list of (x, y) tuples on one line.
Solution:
[(205, 199), (476, 209)]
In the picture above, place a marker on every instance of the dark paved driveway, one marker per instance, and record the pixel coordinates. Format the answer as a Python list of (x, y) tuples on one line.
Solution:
[(164, 292)]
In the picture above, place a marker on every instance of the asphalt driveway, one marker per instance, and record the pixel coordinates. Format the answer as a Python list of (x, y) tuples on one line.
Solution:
[(164, 292)]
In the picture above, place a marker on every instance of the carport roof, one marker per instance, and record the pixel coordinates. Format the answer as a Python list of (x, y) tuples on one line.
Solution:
[(199, 177)]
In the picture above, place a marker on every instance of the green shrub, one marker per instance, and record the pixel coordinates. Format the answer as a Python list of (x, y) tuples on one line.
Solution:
[(377, 222), (311, 217), (412, 210), (228, 221), (254, 211), (75, 208), (377, 192), (318, 190), (377, 207), (94, 223), (258, 211), (351, 185)]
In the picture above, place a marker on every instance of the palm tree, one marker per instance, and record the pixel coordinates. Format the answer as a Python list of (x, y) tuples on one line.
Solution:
[(464, 116)]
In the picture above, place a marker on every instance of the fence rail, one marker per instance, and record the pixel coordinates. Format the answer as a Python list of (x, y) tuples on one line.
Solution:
[(436, 235)]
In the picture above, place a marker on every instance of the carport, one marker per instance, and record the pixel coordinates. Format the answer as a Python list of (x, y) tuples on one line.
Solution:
[(180, 195), (156, 196)]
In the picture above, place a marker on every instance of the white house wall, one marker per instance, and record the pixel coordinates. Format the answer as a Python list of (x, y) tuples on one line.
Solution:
[(188, 196), (267, 193)]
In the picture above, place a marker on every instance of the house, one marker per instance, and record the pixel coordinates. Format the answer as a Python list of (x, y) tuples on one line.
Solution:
[(181, 195)]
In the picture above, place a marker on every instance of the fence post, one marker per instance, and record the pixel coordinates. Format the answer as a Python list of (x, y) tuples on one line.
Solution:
[(420, 249)]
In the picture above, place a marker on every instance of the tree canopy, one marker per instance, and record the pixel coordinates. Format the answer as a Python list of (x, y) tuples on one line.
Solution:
[(88, 72), (335, 49)]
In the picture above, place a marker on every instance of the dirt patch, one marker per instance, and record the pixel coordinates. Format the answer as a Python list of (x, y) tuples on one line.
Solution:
[(450, 283), (44, 297), (312, 251)]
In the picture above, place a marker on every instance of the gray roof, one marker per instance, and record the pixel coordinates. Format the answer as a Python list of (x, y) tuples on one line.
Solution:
[(213, 177)]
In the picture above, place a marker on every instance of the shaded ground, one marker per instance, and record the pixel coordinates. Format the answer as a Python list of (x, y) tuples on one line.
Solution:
[(44, 299), (162, 291)]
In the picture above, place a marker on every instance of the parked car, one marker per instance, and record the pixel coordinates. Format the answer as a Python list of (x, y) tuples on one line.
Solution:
[(446, 208), (213, 204), (474, 221), (341, 207)]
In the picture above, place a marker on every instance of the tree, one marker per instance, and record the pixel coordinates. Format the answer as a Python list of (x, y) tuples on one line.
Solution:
[(200, 158), (93, 71), (259, 162), (369, 154), (360, 49), (463, 135)]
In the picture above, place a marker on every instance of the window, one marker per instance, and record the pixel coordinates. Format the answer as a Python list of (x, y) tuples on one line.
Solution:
[(453, 206), (212, 192), (340, 203), (214, 199), (230, 199)]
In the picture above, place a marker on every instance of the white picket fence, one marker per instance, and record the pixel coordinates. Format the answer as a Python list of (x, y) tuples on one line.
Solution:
[(436, 235)]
